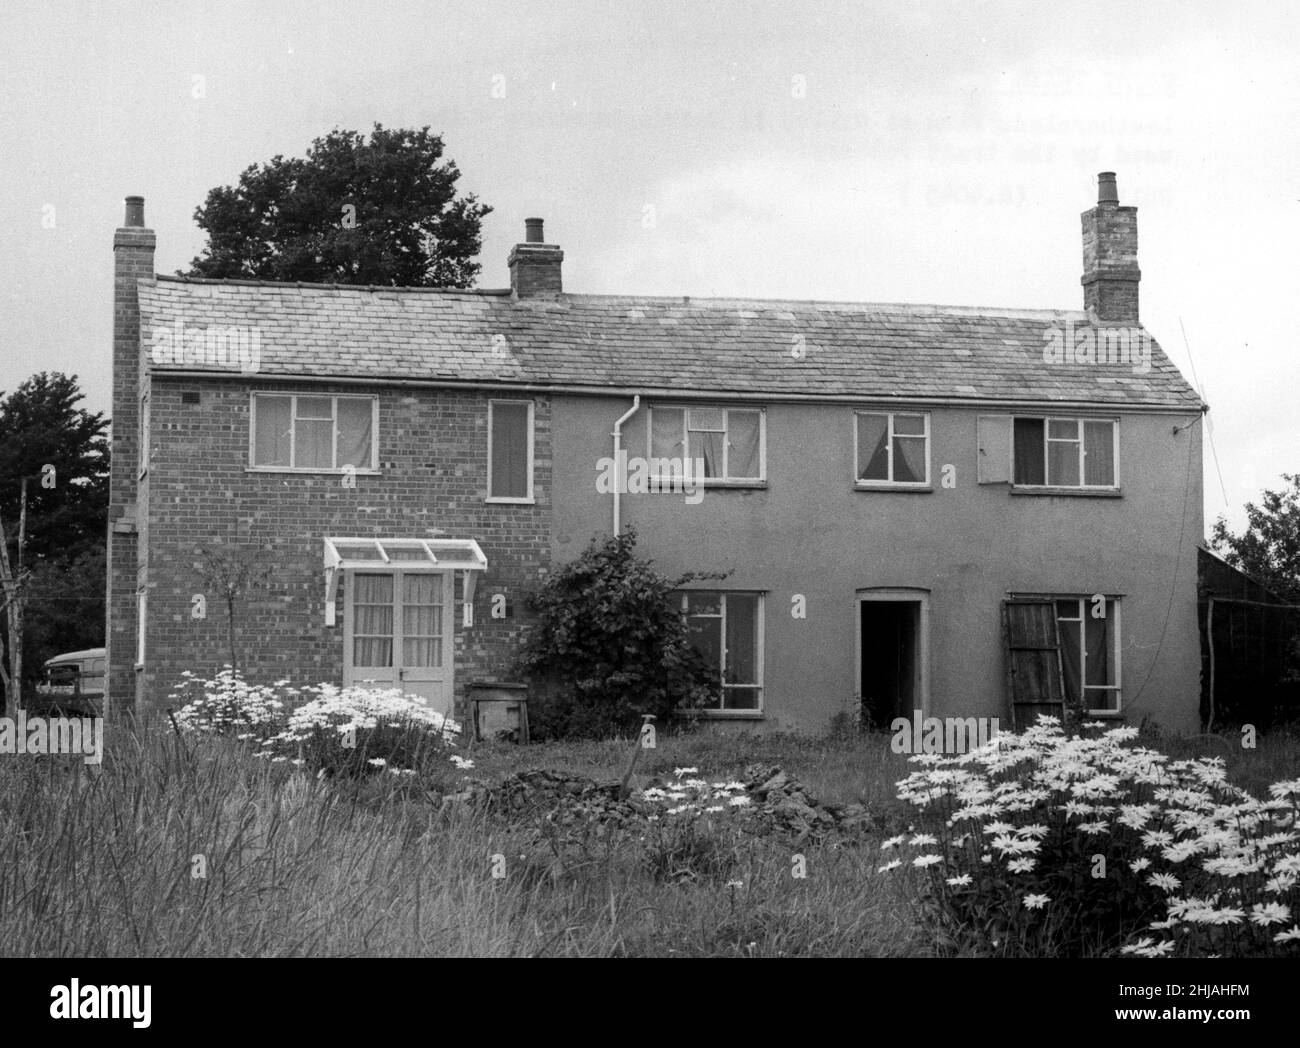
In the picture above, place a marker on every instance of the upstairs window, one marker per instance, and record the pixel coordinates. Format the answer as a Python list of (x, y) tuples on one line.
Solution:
[(729, 441), (317, 434), (1066, 452), (510, 451), (892, 448)]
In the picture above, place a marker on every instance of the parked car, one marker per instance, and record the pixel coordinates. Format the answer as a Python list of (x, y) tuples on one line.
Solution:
[(73, 683)]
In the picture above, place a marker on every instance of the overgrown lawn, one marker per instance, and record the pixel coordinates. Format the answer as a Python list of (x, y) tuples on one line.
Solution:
[(201, 849)]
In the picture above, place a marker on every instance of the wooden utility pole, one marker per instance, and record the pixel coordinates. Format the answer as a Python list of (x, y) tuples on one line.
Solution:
[(13, 582)]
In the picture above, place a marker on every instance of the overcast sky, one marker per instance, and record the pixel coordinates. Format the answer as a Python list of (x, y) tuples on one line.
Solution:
[(879, 152)]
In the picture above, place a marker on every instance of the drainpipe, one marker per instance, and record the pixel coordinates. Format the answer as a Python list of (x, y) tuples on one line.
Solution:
[(618, 446)]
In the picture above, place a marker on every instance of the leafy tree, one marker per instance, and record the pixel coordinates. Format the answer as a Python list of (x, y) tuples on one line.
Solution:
[(1269, 548), (234, 575), (383, 211), (54, 505), (610, 645), (62, 450)]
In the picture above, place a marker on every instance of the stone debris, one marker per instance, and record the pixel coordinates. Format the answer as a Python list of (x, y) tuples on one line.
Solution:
[(786, 802), (780, 803), (567, 798)]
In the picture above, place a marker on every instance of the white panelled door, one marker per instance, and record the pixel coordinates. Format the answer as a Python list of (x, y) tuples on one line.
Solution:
[(398, 630)]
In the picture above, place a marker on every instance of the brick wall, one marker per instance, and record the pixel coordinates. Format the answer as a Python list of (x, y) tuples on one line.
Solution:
[(535, 270), (433, 459), (1110, 267), (133, 255)]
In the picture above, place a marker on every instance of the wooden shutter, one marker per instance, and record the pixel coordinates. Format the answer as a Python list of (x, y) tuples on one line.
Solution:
[(993, 435), (1032, 643)]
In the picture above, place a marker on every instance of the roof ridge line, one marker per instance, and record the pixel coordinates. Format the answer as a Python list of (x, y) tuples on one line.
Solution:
[(683, 301), (178, 278), (690, 300)]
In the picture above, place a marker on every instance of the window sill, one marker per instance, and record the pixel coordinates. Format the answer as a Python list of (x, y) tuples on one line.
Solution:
[(499, 500), (1085, 493), (314, 472), (731, 715), (1104, 714), (672, 485), (914, 489)]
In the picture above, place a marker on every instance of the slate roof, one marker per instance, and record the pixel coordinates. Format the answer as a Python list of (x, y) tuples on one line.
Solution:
[(654, 345)]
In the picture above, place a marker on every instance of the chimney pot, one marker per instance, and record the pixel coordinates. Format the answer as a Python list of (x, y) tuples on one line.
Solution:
[(535, 264), (134, 212), (1110, 267)]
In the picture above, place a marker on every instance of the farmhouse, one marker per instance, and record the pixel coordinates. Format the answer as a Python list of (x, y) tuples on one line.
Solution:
[(918, 513)]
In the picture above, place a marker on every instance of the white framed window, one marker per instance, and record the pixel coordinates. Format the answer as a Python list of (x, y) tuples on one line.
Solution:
[(141, 619), (730, 443), (310, 433), (510, 451), (726, 628), (1057, 452), (1090, 651), (891, 448)]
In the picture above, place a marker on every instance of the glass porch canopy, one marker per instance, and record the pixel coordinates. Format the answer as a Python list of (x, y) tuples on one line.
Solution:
[(394, 554)]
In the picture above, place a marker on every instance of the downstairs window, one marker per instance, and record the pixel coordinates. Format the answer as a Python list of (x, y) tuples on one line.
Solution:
[(1089, 631), (727, 630)]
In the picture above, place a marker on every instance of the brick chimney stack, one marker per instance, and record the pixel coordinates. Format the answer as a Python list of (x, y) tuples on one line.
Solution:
[(133, 250), (535, 265), (1110, 268)]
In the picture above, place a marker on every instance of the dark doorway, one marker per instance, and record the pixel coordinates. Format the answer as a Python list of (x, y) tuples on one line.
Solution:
[(889, 638)]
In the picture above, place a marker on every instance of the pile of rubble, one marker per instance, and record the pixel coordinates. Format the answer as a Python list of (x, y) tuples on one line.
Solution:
[(785, 803), (779, 802), (565, 797)]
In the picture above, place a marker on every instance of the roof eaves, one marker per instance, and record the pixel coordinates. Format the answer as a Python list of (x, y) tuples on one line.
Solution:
[(697, 393)]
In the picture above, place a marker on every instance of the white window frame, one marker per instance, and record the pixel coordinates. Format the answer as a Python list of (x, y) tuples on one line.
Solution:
[(889, 447), (717, 482), (370, 469), (759, 629), (1085, 611), (528, 499), (1079, 421)]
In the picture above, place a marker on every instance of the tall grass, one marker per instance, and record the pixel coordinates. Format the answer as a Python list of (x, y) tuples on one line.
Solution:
[(104, 861)]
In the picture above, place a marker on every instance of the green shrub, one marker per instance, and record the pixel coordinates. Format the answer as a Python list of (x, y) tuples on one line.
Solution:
[(609, 646)]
